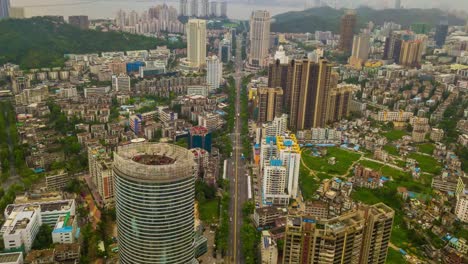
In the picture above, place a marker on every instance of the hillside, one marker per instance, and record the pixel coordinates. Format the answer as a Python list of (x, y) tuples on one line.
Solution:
[(326, 18), (42, 42)]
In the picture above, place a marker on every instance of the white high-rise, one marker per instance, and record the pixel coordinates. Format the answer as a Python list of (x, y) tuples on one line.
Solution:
[(214, 72), (214, 8), (259, 38), (183, 8), (194, 8), (461, 210), (196, 42), (205, 8), (223, 11), (155, 196), (274, 183)]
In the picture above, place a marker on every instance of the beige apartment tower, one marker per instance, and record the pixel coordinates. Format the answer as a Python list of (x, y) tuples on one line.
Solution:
[(359, 237), (196, 42), (259, 38), (270, 103)]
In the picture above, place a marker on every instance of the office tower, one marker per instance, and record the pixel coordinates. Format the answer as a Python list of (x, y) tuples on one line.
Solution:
[(361, 236), (259, 38), (223, 9), (348, 22), (196, 42), (4, 8), (360, 51), (397, 4), (183, 8), (17, 12), (441, 33), (79, 21), (308, 87), (225, 50), (121, 83), (205, 8), (214, 72), (461, 209), (339, 102), (270, 103), (155, 191), (214, 9), (194, 8), (392, 47), (411, 53)]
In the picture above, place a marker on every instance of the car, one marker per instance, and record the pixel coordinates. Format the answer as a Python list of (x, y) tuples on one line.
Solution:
[(230, 219)]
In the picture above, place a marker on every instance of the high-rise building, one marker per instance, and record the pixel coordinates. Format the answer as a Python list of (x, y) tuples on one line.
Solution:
[(205, 8), (360, 51), (155, 191), (441, 33), (361, 236), (280, 162), (194, 8), (196, 42), (259, 38), (308, 88), (393, 47), (121, 82), (270, 103), (461, 209), (225, 48), (339, 101), (100, 170), (4, 8), (79, 21), (348, 23), (223, 9), (214, 72), (277, 77), (411, 53), (200, 137), (183, 8), (214, 9), (397, 4), (17, 12)]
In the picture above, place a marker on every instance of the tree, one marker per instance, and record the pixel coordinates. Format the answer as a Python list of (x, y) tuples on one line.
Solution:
[(43, 238)]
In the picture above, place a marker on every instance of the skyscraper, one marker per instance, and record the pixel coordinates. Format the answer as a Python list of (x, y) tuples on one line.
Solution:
[(259, 38), (411, 53), (397, 4), (360, 51), (392, 47), (223, 11), (214, 9), (277, 77), (339, 102), (308, 86), (270, 103), (194, 8), (441, 33), (196, 42), (183, 8), (361, 236), (348, 22), (79, 21), (214, 72), (205, 8), (155, 190), (4, 8)]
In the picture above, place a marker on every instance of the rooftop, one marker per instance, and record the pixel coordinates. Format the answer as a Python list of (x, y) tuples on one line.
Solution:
[(156, 160), (10, 257)]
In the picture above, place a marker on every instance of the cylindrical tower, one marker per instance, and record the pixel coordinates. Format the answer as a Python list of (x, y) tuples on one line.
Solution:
[(155, 190)]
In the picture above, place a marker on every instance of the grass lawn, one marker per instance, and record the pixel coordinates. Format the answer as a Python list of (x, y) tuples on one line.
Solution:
[(427, 163), (392, 150), (427, 148), (394, 135), (209, 211), (394, 257), (344, 160), (307, 183), (370, 164)]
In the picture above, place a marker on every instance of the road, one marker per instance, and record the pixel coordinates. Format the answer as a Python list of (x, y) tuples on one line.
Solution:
[(237, 177)]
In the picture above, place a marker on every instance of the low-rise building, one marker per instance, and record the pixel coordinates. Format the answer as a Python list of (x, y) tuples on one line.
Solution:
[(21, 227), (65, 230), (268, 249), (11, 258), (266, 216)]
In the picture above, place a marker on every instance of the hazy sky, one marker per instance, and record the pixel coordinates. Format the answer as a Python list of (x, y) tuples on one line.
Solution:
[(237, 8)]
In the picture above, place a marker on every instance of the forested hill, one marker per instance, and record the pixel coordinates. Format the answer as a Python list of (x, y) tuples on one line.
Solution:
[(42, 41), (326, 18)]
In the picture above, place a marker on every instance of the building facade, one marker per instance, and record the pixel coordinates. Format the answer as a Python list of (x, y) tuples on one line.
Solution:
[(270, 103), (348, 23), (259, 38), (196, 42)]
